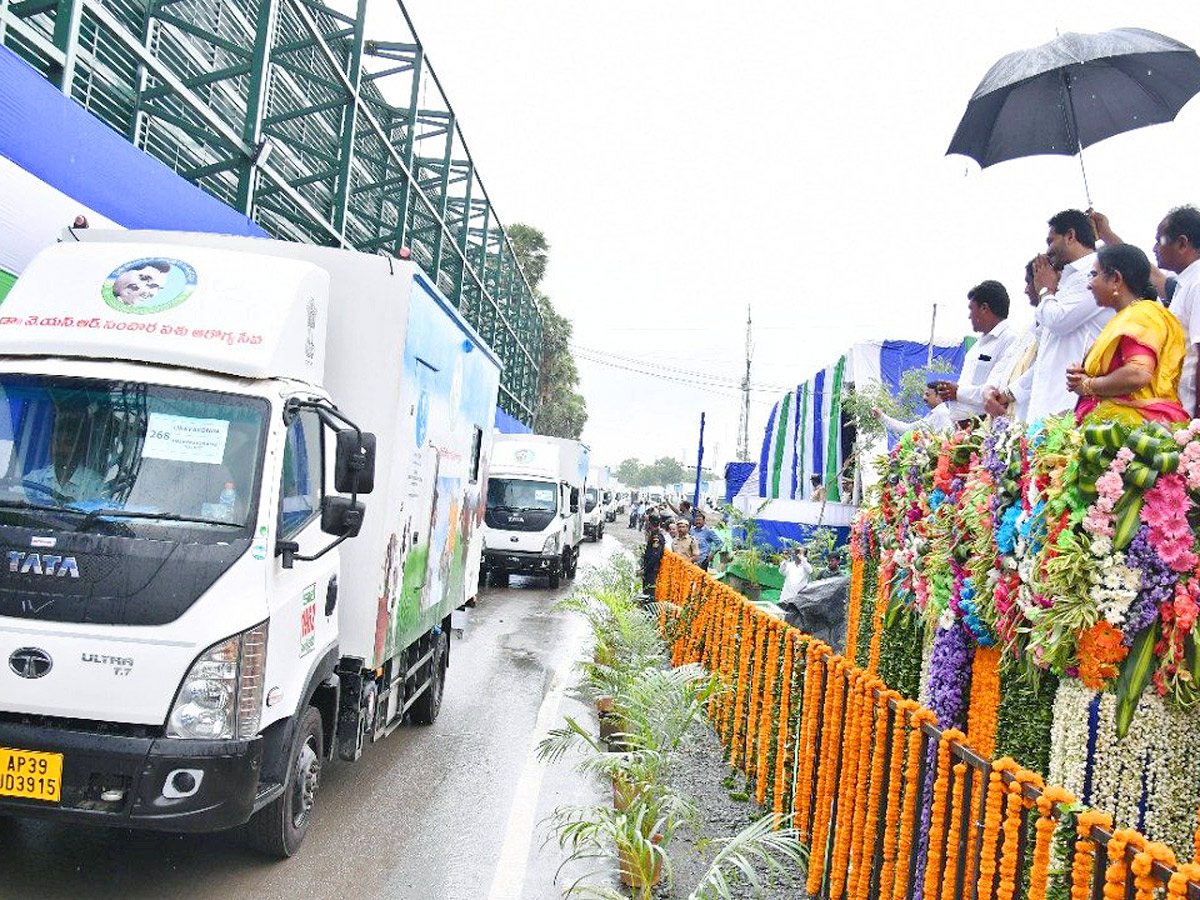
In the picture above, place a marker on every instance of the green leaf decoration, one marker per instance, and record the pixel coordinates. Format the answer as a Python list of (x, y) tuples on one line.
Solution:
[(1135, 675)]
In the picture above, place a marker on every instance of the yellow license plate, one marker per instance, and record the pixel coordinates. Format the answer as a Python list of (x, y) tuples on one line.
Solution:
[(31, 774)]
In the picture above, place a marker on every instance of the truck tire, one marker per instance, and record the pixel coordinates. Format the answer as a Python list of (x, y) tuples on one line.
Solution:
[(572, 564), (499, 578), (600, 531), (426, 708), (555, 579), (279, 828)]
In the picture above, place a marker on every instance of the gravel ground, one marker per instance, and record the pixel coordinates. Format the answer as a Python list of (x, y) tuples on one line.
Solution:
[(700, 771)]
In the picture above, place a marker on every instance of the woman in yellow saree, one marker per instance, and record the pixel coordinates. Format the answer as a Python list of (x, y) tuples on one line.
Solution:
[(1132, 371)]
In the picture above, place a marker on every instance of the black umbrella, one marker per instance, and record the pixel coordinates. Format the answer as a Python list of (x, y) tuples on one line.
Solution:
[(1074, 91)]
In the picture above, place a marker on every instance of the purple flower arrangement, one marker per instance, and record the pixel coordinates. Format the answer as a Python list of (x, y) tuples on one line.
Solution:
[(1158, 583)]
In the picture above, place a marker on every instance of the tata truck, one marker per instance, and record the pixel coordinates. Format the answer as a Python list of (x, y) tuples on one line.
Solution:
[(533, 523), (596, 499), (241, 495)]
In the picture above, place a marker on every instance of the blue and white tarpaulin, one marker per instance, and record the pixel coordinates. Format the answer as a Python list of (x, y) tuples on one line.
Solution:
[(803, 436)]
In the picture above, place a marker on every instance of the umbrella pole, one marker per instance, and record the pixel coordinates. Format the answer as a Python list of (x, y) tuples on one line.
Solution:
[(1075, 131)]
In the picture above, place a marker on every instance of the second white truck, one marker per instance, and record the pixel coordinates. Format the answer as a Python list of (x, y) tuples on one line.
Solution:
[(535, 500)]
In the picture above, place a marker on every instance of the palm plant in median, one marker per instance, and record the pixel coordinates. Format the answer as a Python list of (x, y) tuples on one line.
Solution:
[(655, 706)]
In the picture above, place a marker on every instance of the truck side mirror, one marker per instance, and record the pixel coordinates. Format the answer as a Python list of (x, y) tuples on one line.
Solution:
[(354, 464), (341, 517)]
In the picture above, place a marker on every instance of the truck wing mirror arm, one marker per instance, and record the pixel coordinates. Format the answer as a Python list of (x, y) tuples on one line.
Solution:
[(339, 516)]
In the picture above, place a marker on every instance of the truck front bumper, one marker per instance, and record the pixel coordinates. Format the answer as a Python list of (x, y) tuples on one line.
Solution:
[(142, 771), (521, 562)]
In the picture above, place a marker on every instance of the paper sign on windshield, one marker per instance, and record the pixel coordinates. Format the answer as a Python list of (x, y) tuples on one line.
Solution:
[(185, 439), (543, 494)]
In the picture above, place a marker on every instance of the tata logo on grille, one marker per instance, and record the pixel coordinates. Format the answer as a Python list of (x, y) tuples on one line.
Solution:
[(48, 564), (30, 662)]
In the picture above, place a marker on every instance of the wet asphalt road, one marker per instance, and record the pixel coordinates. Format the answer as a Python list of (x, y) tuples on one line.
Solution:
[(426, 814)]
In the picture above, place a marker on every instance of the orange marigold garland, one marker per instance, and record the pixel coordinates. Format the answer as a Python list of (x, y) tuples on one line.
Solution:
[(891, 818), (938, 817), (816, 668), (854, 606), (851, 745), (1044, 827), (912, 790), (1177, 884), (785, 713), (767, 713), (834, 696), (1085, 848), (758, 646), (993, 818), (1007, 887), (864, 839), (883, 597), (1144, 881), (1117, 871), (733, 632), (744, 652), (955, 832), (715, 662), (858, 787)]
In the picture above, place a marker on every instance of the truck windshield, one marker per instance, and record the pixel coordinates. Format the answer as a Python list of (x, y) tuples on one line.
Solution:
[(517, 494), (140, 458), (589, 501)]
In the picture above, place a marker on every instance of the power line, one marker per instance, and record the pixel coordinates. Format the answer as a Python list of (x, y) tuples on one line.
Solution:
[(653, 367), (724, 390)]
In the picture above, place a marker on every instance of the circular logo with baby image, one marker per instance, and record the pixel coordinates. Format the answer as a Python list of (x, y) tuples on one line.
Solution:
[(149, 285)]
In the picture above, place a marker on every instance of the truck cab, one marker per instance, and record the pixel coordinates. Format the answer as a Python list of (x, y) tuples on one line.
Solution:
[(535, 507), (199, 609)]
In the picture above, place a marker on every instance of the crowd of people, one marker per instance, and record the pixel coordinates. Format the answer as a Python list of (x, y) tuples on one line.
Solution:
[(1114, 336), (681, 529)]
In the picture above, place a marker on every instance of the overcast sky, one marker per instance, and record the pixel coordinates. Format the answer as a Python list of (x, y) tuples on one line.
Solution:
[(688, 159)]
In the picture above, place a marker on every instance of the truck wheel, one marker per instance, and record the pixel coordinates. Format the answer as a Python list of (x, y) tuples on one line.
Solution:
[(499, 579), (572, 564), (279, 828), (600, 532), (555, 579), (426, 708)]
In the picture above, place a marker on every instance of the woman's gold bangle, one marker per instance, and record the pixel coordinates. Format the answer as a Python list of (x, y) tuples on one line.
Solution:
[(1088, 389)]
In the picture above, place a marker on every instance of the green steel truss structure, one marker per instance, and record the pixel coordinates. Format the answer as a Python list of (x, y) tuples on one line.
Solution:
[(286, 111)]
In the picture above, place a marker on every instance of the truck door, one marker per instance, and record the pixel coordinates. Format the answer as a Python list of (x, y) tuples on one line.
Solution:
[(304, 608)]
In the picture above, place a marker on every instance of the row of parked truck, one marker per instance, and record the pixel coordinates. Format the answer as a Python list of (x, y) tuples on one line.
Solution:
[(244, 487)]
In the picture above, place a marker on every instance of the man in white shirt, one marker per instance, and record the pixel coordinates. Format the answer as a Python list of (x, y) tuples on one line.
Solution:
[(937, 419), (1177, 248), (1018, 360), (1067, 315), (987, 306), (795, 571)]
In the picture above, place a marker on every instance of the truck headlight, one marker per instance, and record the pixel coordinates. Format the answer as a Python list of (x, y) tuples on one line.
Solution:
[(551, 545), (221, 695)]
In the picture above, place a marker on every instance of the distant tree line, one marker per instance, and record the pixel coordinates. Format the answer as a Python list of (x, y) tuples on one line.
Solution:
[(663, 470)]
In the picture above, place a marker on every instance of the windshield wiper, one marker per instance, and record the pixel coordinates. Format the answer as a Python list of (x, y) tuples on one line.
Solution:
[(115, 513), (23, 505)]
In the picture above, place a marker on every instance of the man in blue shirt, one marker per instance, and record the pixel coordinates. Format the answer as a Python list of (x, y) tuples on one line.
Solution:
[(708, 539)]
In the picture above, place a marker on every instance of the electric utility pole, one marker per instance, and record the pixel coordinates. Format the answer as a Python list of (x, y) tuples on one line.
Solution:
[(744, 419)]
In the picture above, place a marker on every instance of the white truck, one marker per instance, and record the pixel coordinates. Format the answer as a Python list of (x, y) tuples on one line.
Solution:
[(534, 516), (595, 506), (198, 611)]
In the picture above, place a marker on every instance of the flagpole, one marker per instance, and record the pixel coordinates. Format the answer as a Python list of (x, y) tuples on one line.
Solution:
[(699, 459), (932, 324)]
